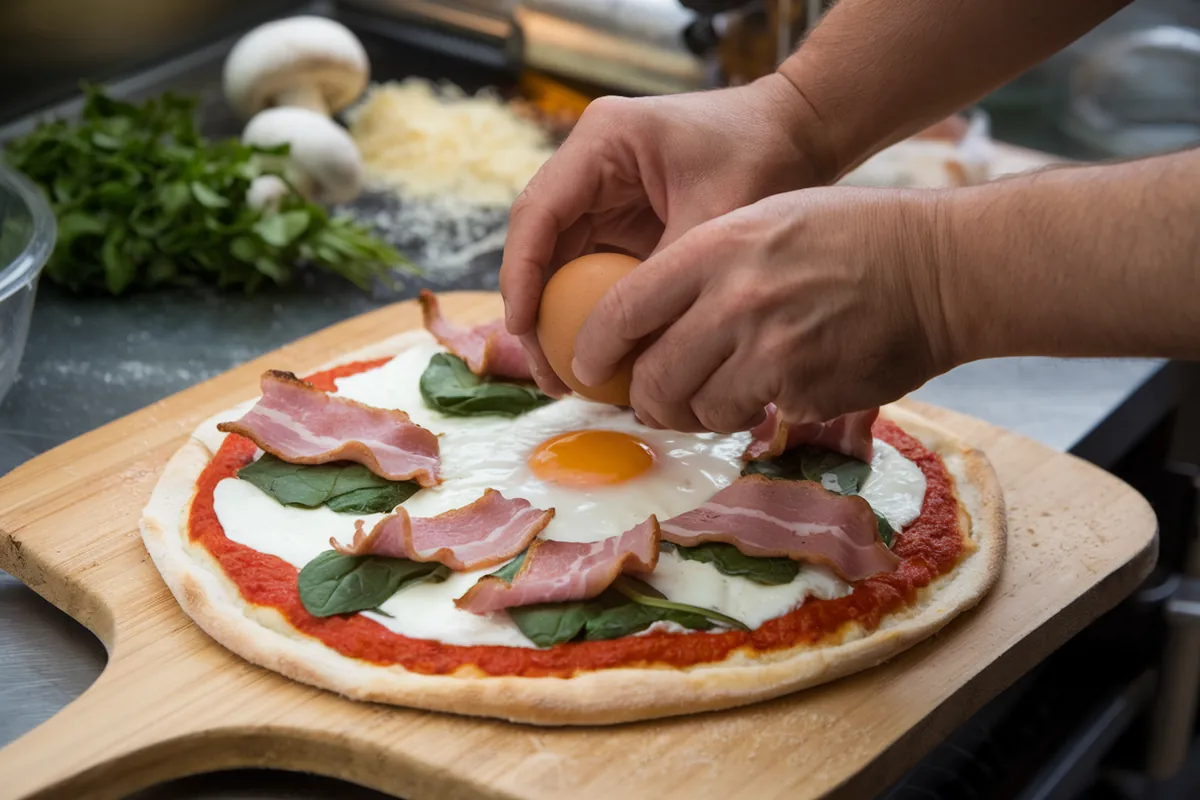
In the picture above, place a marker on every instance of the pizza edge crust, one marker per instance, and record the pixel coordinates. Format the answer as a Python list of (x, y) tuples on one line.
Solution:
[(262, 636)]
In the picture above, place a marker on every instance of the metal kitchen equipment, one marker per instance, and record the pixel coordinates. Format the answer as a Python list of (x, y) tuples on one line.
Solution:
[(636, 46)]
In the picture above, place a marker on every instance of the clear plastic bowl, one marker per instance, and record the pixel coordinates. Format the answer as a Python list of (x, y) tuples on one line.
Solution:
[(27, 232)]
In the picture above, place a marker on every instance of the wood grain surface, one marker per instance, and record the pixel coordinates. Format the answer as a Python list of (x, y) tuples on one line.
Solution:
[(171, 702)]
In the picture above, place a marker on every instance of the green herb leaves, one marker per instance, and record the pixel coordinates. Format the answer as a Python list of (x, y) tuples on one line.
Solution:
[(143, 200), (449, 386), (342, 485), (628, 606), (886, 532), (333, 583), (728, 560), (811, 463), (644, 594)]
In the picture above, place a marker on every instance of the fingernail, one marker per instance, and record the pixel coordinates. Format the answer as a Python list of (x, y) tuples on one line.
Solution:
[(581, 373), (533, 365)]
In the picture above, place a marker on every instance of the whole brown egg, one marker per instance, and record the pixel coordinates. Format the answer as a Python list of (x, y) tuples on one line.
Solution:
[(568, 298)]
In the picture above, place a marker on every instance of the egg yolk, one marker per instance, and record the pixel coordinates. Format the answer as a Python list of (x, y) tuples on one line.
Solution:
[(591, 458)]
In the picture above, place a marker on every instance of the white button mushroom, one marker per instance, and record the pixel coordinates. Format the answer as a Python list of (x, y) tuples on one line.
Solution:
[(266, 193), (324, 163), (310, 62)]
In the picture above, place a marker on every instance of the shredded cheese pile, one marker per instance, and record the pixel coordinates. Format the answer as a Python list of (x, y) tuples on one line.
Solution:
[(433, 141)]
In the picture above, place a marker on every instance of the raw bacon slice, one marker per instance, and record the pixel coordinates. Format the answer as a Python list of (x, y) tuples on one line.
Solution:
[(486, 533), (849, 434), (301, 424), (554, 572), (488, 349), (796, 519)]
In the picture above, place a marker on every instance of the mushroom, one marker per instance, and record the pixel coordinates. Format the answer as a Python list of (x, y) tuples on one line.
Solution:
[(309, 62), (324, 164), (266, 193)]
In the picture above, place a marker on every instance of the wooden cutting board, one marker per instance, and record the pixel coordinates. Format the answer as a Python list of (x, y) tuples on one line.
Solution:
[(172, 703)]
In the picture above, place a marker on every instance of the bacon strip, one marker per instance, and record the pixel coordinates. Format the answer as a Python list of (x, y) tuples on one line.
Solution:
[(555, 572), (485, 533), (488, 349), (796, 519), (301, 424), (849, 434)]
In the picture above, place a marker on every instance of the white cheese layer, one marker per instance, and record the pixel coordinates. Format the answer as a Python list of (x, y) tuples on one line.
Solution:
[(490, 452), (896, 486)]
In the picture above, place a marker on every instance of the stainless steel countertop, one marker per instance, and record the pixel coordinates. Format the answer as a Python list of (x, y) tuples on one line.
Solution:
[(91, 360)]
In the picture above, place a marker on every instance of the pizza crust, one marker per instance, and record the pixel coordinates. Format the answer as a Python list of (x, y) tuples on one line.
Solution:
[(262, 636)]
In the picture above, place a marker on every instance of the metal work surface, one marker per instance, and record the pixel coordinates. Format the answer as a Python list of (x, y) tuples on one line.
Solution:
[(91, 360)]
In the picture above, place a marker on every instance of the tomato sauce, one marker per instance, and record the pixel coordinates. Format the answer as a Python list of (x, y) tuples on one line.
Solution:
[(928, 548)]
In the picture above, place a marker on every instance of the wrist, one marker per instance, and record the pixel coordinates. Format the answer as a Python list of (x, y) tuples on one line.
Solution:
[(922, 250), (976, 314), (787, 107)]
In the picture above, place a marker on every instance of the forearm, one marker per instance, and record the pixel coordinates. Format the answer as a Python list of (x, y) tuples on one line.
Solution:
[(1081, 261), (874, 72)]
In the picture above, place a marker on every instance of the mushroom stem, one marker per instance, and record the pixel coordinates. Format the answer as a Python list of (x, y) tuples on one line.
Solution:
[(310, 97)]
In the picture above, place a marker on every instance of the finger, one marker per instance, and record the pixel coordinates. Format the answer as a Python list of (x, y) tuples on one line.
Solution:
[(650, 297), (562, 191), (730, 400), (632, 232), (677, 364), (543, 374), (594, 170)]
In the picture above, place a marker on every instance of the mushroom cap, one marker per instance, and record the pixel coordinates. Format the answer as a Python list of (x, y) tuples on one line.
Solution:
[(295, 53), (325, 160), (266, 192)]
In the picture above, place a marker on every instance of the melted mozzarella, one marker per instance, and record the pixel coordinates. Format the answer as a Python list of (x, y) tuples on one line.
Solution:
[(896, 486), (699, 584), (490, 452)]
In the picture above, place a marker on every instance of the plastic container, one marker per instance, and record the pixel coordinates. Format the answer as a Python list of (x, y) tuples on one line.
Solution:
[(27, 232)]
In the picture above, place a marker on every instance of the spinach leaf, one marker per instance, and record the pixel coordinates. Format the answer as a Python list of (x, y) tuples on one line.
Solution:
[(644, 594), (610, 616), (344, 486), (627, 607), (143, 200), (509, 570), (548, 624), (810, 464), (333, 583), (631, 617), (886, 532), (849, 473), (449, 386), (728, 560)]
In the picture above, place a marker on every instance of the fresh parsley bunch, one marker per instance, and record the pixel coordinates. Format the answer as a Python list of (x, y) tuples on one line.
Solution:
[(143, 200)]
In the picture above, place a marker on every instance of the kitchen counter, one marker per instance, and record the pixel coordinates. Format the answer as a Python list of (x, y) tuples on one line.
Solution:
[(91, 360)]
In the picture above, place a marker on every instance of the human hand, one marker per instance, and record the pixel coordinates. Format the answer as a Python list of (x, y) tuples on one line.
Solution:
[(636, 174), (822, 301)]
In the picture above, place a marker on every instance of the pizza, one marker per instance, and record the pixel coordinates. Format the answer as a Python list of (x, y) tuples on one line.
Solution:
[(418, 525)]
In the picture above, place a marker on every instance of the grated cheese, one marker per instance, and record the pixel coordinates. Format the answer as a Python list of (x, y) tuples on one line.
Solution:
[(432, 141)]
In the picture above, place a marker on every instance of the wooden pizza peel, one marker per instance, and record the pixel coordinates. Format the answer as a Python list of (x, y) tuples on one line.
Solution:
[(171, 702)]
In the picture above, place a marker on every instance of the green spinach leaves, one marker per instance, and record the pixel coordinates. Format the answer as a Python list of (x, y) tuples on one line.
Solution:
[(449, 386), (811, 464), (628, 606), (728, 560), (333, 583), (344, 486)]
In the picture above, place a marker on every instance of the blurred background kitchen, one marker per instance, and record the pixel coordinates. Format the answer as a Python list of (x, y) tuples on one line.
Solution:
[(466, 99)]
